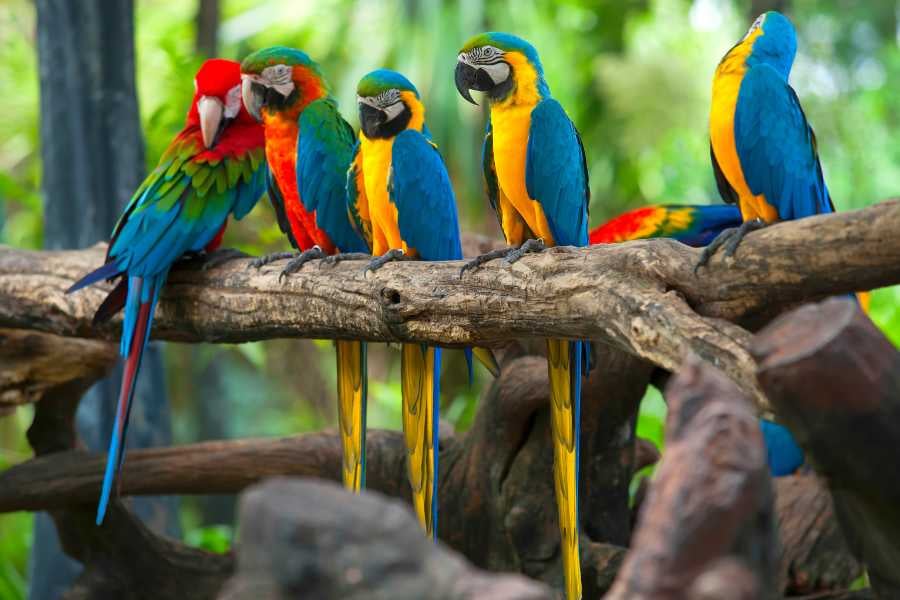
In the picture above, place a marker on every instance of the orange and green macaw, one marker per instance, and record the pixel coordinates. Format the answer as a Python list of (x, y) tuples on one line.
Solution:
[(400, 196), (309, 147), (214, 168), (537, 182)]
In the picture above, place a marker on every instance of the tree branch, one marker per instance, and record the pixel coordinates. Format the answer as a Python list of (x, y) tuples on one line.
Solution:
[(641, 296)]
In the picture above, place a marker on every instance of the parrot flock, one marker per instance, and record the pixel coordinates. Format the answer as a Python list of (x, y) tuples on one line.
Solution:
[(268, 125)]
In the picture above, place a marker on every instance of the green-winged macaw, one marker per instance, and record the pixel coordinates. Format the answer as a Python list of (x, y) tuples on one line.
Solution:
[(309, 147), (400, 196), (537, 183), (214, 168)]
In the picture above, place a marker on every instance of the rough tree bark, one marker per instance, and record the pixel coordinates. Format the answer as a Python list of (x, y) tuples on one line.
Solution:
[(643, 297)]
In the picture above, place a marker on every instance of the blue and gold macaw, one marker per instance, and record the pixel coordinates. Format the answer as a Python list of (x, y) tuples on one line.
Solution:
[(400, 197), (537, 183), (764, 157), (309, 147), (763, 150)]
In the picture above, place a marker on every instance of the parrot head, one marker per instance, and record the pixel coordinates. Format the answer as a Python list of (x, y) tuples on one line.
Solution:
[(279, 78), (771, 40), (499, 64), (217, 99), (388, 103)]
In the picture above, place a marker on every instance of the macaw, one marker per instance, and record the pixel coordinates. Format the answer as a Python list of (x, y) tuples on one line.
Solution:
[(537, 182), (763, 150), (214, 167), (309, 147), (694, 225), (698, 226), (400, 197), (764, 157)]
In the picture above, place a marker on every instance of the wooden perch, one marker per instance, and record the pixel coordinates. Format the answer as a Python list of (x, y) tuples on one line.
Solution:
[(643, 297), (835, 381), (714, 477)]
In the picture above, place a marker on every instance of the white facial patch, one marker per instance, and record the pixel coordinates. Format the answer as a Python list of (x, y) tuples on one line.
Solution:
[(756, 25), (278, 77), (233, 102), (393, 110), (498, 72)]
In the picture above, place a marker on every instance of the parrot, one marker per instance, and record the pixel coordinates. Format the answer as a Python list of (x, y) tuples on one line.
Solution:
[(400, 198), (537, 182), (765, 158), (697, 226), (309, 147), (693, 225), (763, 151), (214, 167)]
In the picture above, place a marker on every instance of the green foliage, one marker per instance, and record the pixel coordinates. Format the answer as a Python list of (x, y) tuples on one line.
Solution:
[(212, 538)]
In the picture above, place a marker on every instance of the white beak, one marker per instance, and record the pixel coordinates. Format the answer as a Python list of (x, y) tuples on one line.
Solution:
[(211, 110)]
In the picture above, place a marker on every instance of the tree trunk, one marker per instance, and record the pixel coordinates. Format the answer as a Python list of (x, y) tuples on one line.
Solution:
[(93, 159)]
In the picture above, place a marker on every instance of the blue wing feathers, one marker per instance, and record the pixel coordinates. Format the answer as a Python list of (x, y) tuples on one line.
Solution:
[(776, 146), (325, 147), (555, 174), (426, 206)]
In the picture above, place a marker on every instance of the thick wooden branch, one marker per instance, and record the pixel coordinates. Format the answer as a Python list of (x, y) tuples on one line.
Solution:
[(713, 476), (835, 380), (32, 363), (642, 296)]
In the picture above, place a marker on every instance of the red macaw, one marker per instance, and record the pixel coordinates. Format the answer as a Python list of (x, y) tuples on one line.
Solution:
[(212, 169)]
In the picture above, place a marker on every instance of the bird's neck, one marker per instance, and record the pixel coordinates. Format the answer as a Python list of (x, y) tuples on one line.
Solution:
[(529, 87)]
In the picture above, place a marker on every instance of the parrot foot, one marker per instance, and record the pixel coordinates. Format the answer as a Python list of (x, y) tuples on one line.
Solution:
[(509, 255), (262, 261), (296, 263), (389, 256), (330, 261), (220, 257), (730, 238)]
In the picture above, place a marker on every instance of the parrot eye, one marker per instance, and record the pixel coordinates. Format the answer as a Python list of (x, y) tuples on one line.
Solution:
[(486, 54)]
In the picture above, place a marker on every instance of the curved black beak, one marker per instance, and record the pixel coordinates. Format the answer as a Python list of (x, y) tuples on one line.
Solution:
[(466, 77), (370, 119)]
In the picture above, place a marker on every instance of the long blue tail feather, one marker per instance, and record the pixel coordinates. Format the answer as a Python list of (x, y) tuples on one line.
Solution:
[(435, 435), (107, 271)]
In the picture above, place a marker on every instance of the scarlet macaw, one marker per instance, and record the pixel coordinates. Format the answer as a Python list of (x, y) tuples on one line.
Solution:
[(697, 226), (537, 182), (400, 196), (694, 225), (214, 167), (309, 147)]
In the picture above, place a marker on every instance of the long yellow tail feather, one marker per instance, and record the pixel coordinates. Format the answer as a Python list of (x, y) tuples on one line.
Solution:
[(351, 379), (562, 424), (417, 379)]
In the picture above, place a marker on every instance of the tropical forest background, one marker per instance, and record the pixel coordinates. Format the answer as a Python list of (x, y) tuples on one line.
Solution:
[(633, 74)]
